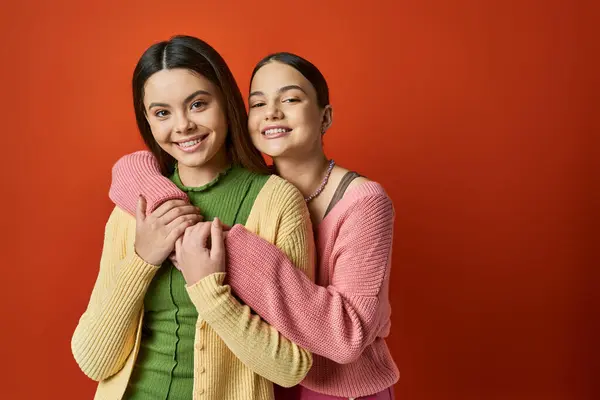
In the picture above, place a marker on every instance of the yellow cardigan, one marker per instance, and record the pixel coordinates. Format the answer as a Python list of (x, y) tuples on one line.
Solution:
[(236, 354)]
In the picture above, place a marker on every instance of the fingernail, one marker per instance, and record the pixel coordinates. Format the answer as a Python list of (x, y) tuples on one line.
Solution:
[(216, 222)]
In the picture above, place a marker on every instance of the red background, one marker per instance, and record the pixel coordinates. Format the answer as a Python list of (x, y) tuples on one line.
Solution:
[(479, 117)]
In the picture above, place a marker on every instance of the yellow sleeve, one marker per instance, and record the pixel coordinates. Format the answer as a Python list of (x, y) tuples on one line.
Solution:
[(106, 332), (281, 217)]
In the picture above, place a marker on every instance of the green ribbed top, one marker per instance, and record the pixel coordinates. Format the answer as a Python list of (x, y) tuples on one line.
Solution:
[(164, 367)]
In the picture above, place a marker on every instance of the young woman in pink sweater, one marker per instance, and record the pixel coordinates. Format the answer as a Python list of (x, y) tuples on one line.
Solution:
[(344, 317)]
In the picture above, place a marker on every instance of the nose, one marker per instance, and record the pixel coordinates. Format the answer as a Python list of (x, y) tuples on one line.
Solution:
[(273, 112), (183, 124)]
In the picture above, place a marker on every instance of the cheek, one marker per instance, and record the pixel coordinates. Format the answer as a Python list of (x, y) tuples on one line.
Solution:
[(253, 121), (160, 130), (305, 118), (214, 120)]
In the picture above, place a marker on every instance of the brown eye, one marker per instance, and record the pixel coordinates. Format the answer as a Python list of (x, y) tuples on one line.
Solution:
[(161, 113), (199, 104)]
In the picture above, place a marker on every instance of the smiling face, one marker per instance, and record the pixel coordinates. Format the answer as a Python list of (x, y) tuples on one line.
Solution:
[(284, 118), (186, 116)]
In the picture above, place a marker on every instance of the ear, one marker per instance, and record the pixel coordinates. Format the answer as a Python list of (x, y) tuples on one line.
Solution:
[(327, 119)]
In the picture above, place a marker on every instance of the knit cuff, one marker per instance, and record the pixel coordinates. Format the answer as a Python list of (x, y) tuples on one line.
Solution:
[(209, 294), (135, 274), (138, 174)]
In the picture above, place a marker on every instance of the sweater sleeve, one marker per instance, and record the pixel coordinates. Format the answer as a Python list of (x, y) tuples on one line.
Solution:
[(138, 174), (106, 332), (256, 343), (337, 321)]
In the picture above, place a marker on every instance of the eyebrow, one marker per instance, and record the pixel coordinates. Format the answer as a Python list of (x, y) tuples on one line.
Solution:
[(280, 90), (187, 99)]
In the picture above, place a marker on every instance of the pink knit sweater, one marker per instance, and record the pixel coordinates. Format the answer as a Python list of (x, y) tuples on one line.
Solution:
[(343, 318)]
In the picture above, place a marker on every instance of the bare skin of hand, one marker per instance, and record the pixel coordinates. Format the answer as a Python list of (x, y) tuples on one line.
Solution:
[(193, 255), (156, 233), (173, 255)]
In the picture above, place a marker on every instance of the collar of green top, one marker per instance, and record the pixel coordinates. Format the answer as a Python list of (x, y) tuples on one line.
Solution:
[(177, 180)]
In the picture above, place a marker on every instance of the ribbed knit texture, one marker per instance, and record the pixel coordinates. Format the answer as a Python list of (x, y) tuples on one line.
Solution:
[(345, 317), (165, 366), (236, 354), (139, 172)]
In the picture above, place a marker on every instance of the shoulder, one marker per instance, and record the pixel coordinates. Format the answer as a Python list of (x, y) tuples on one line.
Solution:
[(366, 201), (120, 224), (241, 175), (282, 191), (357, 182), (361, 186), (281, 197), (367, 193), (340, 172)]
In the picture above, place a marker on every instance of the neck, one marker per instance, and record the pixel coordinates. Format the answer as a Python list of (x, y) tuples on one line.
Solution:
[(306, 174), (205, 173)]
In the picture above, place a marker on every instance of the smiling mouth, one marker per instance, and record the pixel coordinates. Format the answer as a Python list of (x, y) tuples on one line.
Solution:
[(190, 144), (275, 131)]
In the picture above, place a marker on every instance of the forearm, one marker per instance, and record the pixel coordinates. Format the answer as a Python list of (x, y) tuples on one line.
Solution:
[(105, 334), (252, 340), (138, 174), (321, 319)]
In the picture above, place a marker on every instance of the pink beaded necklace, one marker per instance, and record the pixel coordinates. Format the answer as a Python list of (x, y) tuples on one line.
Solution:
[(323, 183)]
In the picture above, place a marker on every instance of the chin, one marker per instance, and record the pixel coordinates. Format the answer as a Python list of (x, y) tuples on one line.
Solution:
[(194, 161), (189, 159), (272, 152)]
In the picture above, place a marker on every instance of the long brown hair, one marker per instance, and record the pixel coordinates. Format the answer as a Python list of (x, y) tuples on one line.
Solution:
[(196, 55)]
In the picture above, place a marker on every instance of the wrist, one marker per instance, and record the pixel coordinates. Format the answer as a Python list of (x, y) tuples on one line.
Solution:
[(193, 277), (201, 277), (152, 260)]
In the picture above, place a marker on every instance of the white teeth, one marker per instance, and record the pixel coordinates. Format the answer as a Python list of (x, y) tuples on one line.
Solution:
[(276, 130), (190, 143)]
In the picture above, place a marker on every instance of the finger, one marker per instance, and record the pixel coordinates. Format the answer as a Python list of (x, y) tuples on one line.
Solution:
[(166, 206), (203, 232), (216, 238), (178, 231), (175, 212), (193, 218), (140, 210)]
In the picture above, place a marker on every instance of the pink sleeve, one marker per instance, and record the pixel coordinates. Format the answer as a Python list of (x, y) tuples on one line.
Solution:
[(139, 174), (337, 321)]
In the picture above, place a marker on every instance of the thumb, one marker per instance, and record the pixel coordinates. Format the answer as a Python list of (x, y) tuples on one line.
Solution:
[(140, 211), (216, 238)]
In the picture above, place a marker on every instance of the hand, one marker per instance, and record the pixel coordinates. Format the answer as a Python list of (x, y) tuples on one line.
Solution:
[(155, 234), (173, 255), (194, 257)]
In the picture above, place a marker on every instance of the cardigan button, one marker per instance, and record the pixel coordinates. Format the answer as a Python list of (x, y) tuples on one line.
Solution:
[(201, 370)]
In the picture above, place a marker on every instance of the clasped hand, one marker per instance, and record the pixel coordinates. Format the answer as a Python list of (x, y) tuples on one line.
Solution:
[(176, 230)]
